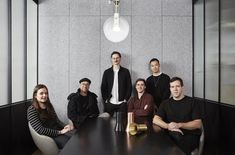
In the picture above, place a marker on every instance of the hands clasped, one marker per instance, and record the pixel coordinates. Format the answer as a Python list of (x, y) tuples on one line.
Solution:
[(173, 126), (67, 128)]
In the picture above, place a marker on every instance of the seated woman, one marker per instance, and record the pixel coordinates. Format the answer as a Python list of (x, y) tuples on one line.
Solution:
[(43, 119), (142, 104)]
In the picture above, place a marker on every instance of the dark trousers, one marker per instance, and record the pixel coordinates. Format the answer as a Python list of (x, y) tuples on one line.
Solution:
[(111, 108), (187, 142), (61, 140)]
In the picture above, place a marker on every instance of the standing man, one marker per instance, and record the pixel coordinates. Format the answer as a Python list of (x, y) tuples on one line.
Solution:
[(142, 105), (116, 86), (181, 116), (158, 83), (82, 104)]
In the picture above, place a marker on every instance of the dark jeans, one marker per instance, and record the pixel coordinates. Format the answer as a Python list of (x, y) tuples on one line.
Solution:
[(187, 142), (111, 108), (61, 140)]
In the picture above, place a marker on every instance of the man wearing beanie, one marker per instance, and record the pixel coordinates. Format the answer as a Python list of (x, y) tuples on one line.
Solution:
[(82, 104)]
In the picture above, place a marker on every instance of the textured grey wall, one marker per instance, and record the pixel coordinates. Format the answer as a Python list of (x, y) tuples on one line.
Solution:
[(72, 44)]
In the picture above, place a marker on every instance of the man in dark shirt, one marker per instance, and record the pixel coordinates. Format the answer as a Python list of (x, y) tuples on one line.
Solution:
[(158, 83), (181, 116), (82, 104), (116, 86)]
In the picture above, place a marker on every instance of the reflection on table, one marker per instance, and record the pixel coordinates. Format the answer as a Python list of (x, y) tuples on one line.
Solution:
[(97, 136)]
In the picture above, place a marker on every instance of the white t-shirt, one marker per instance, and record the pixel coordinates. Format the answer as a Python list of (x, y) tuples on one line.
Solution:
[(115, 98)]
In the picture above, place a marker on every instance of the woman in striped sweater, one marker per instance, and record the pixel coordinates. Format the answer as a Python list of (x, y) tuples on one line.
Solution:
[(42, 117)]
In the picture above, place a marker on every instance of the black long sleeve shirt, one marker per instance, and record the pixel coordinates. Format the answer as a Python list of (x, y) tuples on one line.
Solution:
[(82, 107), (158, 87), (124, 84)]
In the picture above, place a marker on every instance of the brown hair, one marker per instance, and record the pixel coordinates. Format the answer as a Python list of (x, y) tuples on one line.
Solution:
[(177, 79), (50, 110), (140, 79)]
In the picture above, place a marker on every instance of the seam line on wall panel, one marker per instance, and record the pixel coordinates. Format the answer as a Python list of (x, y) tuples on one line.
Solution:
[(193, 49), (100, 74), (100, 46), (131, 29), (204, 46), (9, 52), (219, 52), (162, 31), (26, 52), (37, 41), (69, 51)]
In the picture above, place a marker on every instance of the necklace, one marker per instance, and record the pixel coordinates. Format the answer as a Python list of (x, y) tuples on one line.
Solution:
[(156, 81)]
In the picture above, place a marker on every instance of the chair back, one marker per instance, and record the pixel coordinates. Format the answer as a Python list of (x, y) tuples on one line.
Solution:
[(44, 143), (201, 143), (199, 150)]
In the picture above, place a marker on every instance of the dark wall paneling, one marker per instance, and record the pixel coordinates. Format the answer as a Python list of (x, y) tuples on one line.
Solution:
[(5, 133), (227, 129), (14, 132), (212, 127), (219, 126), (21, 138)]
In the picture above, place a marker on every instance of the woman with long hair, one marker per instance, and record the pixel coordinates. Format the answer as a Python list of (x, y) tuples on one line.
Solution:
[(44, 120)]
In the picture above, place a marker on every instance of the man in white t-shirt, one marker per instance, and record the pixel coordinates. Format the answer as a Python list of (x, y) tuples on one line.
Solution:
[(116, 86)]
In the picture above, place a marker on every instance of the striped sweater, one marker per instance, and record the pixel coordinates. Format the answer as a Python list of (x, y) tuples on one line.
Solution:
[(37, 125)]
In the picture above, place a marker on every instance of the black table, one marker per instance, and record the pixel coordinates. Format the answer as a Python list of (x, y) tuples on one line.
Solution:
[(97, 137)]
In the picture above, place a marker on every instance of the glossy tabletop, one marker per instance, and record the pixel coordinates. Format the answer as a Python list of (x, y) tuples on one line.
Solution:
[(97, 137)]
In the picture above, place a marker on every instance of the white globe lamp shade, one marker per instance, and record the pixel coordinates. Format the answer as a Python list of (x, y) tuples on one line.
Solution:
[(116, 30)]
